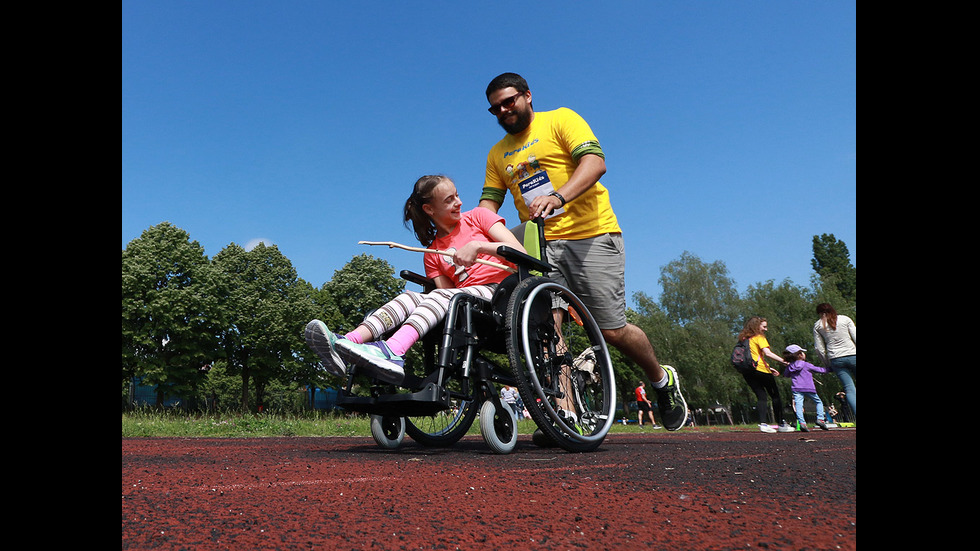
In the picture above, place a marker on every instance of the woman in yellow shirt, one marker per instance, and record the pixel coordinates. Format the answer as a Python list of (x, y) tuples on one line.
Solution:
[(762, 381)]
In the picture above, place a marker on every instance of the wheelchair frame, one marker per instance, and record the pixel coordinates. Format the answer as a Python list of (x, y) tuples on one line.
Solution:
[(520, 322)]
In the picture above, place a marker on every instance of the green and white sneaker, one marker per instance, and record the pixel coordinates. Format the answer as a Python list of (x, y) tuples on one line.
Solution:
[(322, 341), (374, 359), (670, 401)]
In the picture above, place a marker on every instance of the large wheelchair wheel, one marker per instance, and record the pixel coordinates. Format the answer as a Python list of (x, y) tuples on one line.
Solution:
[(444, 428), (561, 365)]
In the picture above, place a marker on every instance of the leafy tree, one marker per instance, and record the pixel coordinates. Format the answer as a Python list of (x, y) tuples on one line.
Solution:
[(825, 290), (220, 389), (268, 307), (696, 291), (835, 279), (700, 307), (170, 311), (323, 308), (831, 261), (789, 309), (362, 285)]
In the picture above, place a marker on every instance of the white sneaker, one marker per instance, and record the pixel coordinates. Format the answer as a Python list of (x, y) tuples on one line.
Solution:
[(374, 359), (322, 341), (766, 428), (784, 427)]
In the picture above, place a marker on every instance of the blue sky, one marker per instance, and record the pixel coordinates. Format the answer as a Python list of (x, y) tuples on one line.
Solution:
[(729, 127)]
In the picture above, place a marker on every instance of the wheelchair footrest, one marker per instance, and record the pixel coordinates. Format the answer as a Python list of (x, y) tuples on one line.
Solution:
[(431, 399)]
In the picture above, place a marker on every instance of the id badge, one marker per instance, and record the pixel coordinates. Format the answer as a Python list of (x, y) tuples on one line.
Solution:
[(536, 185)]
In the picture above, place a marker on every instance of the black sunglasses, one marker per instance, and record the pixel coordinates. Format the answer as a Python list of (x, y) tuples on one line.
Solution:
[(507, 103)]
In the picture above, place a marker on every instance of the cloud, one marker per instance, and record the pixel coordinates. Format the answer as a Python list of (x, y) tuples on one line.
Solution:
[(252, 243)]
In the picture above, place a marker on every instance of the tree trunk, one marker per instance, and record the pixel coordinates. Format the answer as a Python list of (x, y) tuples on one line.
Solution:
[(244, 389)]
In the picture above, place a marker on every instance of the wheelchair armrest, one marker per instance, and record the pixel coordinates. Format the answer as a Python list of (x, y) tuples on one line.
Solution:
[(523, 259), (427, 283)]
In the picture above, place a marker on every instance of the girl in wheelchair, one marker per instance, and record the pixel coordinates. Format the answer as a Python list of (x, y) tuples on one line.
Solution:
[(434, 210)]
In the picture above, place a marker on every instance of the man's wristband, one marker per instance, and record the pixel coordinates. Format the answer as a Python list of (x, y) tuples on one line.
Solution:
[(558, 195)]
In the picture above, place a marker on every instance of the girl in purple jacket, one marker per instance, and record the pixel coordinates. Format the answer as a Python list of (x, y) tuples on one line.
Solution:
[(800, 371)]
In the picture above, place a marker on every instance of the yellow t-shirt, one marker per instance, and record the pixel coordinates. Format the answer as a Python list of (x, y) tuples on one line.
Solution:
[(540, 160), (756, 344)]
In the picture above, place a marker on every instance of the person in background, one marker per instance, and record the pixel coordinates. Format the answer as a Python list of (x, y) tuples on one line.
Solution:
[(801, 372), (835, 341), (508, 395), (644, 406), (762, 380)]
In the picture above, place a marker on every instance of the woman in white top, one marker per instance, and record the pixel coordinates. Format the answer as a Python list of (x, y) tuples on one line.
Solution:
[(835, 339)]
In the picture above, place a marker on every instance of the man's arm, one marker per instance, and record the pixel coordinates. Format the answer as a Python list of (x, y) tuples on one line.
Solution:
[(488, 204)]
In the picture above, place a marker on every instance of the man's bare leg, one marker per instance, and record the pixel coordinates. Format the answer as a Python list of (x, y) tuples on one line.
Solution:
[(632, 341)]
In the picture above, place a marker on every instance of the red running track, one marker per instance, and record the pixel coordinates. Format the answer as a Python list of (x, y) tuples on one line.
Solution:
[(673, 491)]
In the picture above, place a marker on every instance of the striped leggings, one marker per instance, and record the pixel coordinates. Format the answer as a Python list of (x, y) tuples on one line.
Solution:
[(421, 311)]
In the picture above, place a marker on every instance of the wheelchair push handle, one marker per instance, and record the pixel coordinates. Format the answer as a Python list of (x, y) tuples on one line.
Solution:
[(523, 260), (531, 236)]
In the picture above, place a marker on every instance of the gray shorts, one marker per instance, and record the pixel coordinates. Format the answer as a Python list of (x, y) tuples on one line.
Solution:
[(595, 270)]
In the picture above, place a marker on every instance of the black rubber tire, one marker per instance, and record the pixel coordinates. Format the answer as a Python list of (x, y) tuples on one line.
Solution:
[(541, 375)]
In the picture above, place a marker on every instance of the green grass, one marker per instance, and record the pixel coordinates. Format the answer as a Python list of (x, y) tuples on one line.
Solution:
[(149, 423)]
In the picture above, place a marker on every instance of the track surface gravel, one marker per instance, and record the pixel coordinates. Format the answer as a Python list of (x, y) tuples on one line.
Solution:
[(685, 490)]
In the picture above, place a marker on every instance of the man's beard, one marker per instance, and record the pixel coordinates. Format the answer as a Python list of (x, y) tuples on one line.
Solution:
[(518, 126)]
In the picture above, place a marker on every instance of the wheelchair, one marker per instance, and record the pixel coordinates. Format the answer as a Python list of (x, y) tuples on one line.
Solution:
[(557, 359)]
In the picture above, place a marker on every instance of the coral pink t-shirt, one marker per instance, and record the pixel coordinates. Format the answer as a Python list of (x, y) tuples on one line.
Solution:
[(474, 225)]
